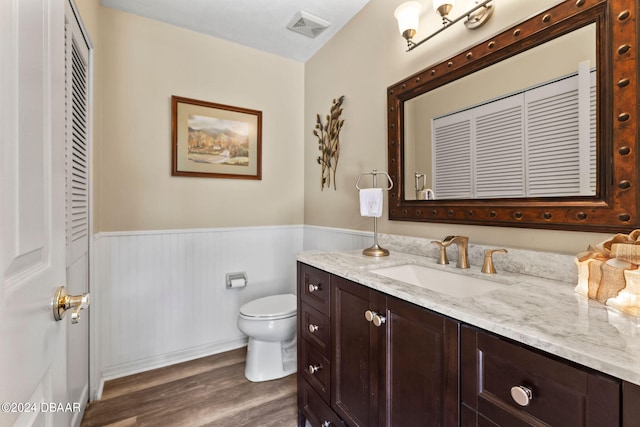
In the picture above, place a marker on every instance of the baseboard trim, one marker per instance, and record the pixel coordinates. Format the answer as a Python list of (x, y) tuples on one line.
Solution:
[(84, 399)]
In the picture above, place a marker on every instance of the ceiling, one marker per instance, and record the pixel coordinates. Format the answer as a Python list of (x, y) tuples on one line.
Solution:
[(260, 24)]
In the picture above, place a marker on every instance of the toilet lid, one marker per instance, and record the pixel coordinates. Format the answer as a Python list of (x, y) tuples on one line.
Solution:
[(272, 306)]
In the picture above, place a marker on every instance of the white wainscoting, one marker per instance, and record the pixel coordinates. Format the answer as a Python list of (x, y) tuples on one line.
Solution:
[(159, 297), (335, 239)]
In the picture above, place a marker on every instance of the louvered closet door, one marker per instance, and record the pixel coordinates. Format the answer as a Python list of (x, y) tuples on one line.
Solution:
[(499, 140), (592, 149), (536, 143), (452, 156), (479, 152), (77, 148), (77, 162), (561, 155)]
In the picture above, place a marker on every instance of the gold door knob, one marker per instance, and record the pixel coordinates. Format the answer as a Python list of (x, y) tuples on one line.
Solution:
[(63, 302)]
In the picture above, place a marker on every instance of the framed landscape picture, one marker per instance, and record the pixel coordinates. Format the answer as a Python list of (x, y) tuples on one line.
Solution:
[(214, 140)]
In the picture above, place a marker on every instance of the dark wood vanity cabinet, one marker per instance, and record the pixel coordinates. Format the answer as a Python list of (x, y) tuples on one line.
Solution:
[(391, 363), (314, 348), (507, 384), (371, 360)]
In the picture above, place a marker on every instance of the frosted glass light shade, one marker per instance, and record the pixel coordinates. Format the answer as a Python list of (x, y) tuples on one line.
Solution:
[(443, 7), (408, 15)]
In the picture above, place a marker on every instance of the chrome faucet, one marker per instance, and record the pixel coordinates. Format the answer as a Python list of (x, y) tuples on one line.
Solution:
[(463, 249)]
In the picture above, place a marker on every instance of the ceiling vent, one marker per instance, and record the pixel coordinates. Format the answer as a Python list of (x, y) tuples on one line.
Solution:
[(307, 24)]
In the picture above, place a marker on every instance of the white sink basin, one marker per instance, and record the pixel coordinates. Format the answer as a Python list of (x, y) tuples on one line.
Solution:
[(457, 285)]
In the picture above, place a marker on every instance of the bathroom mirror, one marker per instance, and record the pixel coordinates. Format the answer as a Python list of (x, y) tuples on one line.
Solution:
[(584, 48)]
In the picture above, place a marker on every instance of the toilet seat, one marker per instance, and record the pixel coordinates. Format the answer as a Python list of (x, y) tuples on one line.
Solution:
[(271, 307)]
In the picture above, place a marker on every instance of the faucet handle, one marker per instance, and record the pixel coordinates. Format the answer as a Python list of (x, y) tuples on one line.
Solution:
[(442, 259), (447, 240), (487, 266)]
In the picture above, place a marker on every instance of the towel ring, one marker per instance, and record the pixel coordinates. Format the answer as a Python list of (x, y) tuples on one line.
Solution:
[(374, 173)]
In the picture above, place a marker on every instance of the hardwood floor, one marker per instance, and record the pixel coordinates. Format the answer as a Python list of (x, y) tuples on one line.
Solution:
[(211, 391)]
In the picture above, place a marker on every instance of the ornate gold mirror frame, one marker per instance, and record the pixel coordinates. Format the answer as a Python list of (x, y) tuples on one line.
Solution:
[(615, 205)]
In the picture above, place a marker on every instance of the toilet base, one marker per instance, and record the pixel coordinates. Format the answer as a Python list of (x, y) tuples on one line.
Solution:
[(270, 360)]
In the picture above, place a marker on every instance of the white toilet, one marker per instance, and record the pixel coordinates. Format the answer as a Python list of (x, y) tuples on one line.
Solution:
[(270, 324)]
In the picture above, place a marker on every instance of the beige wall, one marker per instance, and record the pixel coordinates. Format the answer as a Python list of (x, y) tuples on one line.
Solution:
[(360, 62), (140, 64)]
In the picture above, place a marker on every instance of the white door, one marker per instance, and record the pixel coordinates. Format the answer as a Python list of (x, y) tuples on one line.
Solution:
[(77, 155), (33, 351)]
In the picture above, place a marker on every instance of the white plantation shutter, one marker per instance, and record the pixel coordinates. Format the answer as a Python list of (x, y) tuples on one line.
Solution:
[(77, 147), (539, 142)]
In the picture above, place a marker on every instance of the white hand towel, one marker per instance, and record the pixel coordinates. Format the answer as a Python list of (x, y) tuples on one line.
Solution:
[(371, 202)]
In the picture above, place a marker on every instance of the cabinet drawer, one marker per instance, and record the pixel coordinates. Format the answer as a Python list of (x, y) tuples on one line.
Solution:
[(317, 412), (315, 328), (562, 394), (316, 370), (314, 287)]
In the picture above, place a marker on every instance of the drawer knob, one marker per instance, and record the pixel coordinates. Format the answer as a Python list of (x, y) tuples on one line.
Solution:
[(314, 368), (313, 288), (312, 327), (521, 395)]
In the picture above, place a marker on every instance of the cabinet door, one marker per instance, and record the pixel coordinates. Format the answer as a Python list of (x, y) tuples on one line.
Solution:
[(630, 404), (355, 360), (421, 359)]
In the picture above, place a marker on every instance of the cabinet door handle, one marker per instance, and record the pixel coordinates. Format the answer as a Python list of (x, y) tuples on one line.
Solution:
[(312, 327), (314, 368), (313, 288), (379, 320), (521, 395), (374, 317), (369, 315)]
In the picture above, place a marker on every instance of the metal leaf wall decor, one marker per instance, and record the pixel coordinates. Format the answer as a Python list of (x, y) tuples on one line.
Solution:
[(329, 142)]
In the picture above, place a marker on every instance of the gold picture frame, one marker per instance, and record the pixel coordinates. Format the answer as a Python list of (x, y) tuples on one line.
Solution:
[(212, 140)]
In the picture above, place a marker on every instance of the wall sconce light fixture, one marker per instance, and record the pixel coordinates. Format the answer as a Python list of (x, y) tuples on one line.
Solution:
[(408, 15)]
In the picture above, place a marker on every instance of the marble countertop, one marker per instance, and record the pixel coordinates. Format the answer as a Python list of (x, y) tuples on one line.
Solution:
[(542, 313)]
